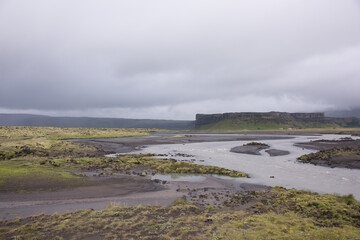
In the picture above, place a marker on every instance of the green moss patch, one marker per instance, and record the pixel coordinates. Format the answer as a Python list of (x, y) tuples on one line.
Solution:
[(24, 176)]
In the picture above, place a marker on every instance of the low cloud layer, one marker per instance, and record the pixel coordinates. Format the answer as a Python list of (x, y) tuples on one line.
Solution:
[(172, 59)]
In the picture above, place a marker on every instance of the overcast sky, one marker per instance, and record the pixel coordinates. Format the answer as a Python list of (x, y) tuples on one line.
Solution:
[(171, 59)]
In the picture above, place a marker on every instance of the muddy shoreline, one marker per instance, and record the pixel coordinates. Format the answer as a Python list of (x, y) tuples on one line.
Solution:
[(122, 190)]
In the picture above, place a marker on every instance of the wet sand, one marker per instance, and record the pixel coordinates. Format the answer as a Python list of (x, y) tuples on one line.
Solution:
[(123, 191)]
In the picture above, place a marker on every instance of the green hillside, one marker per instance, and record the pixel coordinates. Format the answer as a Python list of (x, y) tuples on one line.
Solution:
[(263, 124)]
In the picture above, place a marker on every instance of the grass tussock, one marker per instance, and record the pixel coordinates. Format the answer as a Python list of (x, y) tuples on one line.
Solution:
[(288, 214), (47, 141)]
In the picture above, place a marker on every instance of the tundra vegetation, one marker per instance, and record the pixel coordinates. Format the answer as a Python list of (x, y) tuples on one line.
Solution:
[(36, 159), (275, 214)]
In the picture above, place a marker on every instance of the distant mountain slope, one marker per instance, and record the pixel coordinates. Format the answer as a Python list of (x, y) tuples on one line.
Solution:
[(270, 121), (89, 122), (343, 113)]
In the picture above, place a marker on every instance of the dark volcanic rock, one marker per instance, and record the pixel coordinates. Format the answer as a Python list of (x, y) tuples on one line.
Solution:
[(276, 152), (249, 149)]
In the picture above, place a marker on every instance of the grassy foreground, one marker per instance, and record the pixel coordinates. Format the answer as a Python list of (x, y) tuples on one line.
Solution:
[(276, 214)]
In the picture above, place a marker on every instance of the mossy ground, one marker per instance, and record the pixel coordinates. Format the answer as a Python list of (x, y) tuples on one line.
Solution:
[(127, 163), (275, 214), (48, 141)]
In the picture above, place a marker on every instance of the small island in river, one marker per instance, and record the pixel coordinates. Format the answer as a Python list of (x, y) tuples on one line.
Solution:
[(254, 148)]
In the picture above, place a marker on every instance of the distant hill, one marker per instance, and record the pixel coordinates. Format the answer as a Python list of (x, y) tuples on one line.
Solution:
[(344, 113), (270, 120), (89, 122)]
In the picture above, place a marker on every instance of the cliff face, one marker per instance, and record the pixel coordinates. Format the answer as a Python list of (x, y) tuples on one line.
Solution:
[(202, 119)]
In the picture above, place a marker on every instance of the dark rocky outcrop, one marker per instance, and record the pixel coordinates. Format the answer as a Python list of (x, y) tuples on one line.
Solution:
[(252, 148), (202, 119)]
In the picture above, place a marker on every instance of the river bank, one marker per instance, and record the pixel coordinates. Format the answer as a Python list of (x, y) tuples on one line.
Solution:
[(343, 153)]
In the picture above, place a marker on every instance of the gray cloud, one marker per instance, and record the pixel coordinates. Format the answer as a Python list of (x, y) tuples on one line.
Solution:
[(171, 59)]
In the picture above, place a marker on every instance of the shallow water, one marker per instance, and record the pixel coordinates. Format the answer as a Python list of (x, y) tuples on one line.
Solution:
[(179, 177), (286, 171)]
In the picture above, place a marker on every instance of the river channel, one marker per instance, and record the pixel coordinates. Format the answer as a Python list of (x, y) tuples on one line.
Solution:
[(272, 171)]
